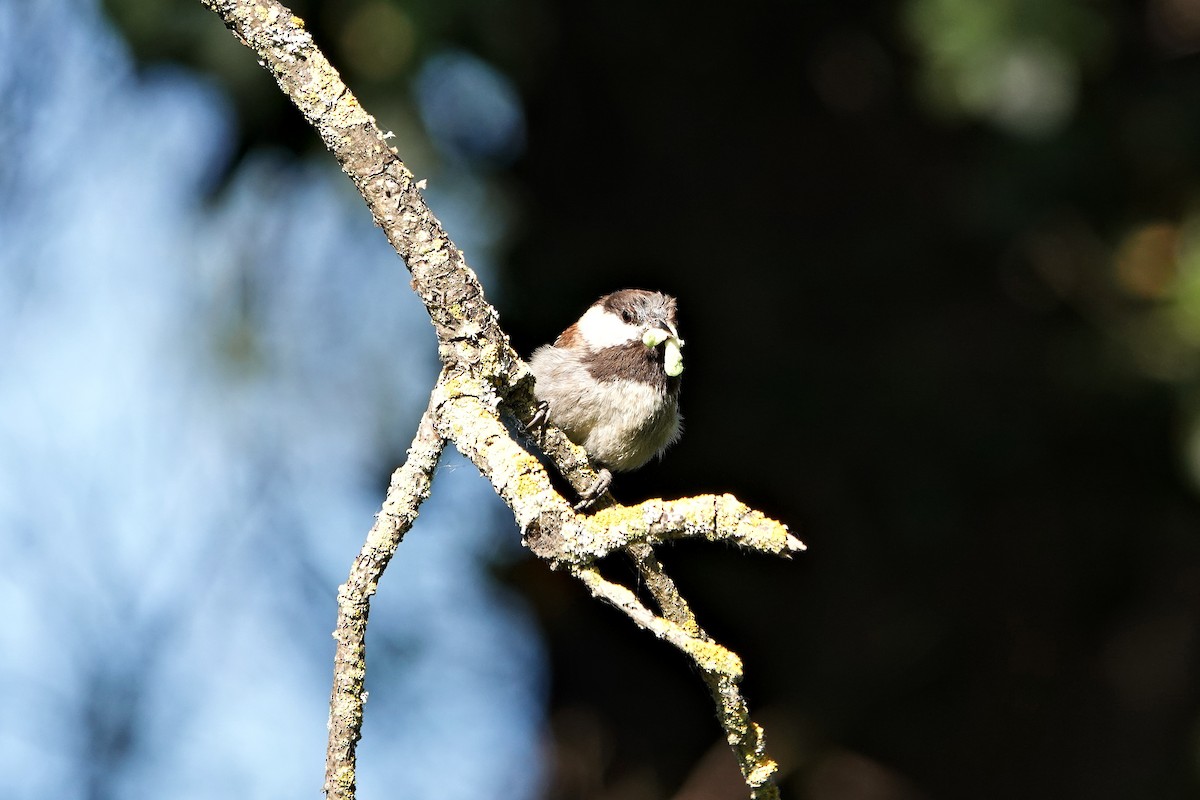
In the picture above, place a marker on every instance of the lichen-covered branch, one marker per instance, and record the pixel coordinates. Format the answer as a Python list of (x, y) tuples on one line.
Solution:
[(743, 734), (552, 530), (715, 518), (409, 488), (484, 387), (468, 328), (708, 655)]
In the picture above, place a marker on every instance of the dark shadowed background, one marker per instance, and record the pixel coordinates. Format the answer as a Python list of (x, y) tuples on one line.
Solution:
[(938, 265)]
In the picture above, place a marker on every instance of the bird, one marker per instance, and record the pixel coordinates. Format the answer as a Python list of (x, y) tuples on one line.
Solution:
[(611, 382)]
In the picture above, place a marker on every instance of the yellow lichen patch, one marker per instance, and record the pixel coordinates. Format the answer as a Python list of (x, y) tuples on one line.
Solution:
[(712, 657), (762, 773), (344, 775), (529, 484), (625, 518), (456, 385)]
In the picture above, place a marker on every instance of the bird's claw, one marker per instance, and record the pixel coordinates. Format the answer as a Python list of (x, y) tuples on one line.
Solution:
[(539, 419), (537, 427), (594, 492)]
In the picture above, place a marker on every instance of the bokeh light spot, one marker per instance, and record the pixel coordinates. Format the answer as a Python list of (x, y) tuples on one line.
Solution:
[(378, 40), (471, 110), (1147, 260)]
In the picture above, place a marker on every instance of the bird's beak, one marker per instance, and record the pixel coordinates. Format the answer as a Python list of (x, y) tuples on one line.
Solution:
[(661, 325)]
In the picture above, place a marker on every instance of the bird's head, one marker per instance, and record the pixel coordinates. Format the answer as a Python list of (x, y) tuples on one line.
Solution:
[(634, 315)]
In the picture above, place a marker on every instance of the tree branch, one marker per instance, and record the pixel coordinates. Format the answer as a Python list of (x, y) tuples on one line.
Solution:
[(743, 734), (409, 488), (467, 326), (714, 518), (708, 655), (483, 387)]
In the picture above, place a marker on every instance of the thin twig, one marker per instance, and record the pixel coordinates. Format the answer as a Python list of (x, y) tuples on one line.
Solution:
[(708, 655), (744, 735), (409, 488)]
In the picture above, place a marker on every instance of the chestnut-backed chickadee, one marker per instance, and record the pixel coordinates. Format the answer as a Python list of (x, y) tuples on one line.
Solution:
[(611, 381)]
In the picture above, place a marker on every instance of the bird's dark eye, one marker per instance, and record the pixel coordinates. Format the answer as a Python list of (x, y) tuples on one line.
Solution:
[(626, 316)]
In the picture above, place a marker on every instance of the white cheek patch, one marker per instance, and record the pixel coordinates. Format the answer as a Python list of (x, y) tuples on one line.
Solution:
[(602, 329)]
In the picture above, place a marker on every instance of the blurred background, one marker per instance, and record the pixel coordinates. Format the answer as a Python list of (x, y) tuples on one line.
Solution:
[(938, 265)]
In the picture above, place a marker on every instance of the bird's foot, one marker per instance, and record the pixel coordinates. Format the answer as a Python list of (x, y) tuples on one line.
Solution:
[(597, 490), (537, 423)]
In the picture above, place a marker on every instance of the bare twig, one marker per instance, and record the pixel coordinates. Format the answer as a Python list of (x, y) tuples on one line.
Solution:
[(409, 488), (708, 655), (483, 379)]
